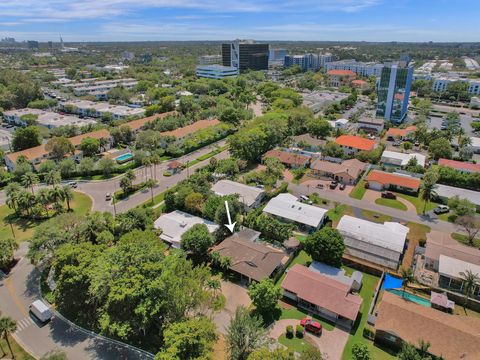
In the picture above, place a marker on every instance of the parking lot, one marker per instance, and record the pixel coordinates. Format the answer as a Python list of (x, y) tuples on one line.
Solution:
[(465, 121)]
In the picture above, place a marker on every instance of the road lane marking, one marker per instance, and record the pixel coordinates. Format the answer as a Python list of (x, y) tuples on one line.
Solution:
[(23, 324), (16, 300)]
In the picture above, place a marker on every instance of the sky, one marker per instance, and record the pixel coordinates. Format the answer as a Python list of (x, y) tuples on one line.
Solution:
[(314, 20)]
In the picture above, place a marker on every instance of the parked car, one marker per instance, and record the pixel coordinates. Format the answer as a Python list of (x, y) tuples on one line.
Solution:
[(320, 186), (389, 195), (73, 184), (260, 186), (312, 326), (342, 186), (304, 199), (108, 197), (441, 209), (333, 184), (41, 311)]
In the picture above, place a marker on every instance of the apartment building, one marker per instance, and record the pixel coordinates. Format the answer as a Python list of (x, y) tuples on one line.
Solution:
[(48, 119), (308, 62), (99, 89), (365, 69), (98, 109)]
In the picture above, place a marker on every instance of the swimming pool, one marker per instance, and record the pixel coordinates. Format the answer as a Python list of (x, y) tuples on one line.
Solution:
[(124, 157), (414, 298)]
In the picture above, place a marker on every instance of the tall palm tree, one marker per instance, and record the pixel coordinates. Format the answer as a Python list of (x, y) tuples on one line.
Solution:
[(470, 281), (407, 277), (53, 177), (25, 201), (155, 161), (150, 183), (30, 179), (428, 187), (67, 195), (56, 194), (7, 327), (146, 162), (44, 198), (12, 190)]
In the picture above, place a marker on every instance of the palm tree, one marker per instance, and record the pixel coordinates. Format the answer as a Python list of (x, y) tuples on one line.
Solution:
[(155, 161), (150, 183), (8, 326), (53, 177), (428, 187), (407, 277), (44, 198), (30, 179), (146, 163), (56, 194), (470, 281), (12, 190), (25, 201), (67, 195)]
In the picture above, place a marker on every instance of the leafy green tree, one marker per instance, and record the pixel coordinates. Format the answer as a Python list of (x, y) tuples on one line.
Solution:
[(86, 166), (326, 245), (126, 184), (440, 148), (30, 119), (106, 166), (360, 351), (58, 147), (192, 339), (319, 128), (90, 146), (53, 177), (196, 241), (298, 118), (151, 183), (245, 334), (230, 115), (25, 138), (332, 149), (7, 248), (67, 195), (265, 295), (67, 167), (7, 328), (122, 135), (47, 166), (267, 354), (311, 353), (461, 207)]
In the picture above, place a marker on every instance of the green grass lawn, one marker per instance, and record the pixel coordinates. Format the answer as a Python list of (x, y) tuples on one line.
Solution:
[(418, 202), (356, 335), (336, 214), (359, 190), (25, 228), (294, 344), (206, 156), (464, 240), (375, 217), (391, 203), (18, 351)]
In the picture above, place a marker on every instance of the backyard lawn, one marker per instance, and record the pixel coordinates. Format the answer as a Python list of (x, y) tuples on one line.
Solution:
[(359, 190), (25, 228), (391, 203)]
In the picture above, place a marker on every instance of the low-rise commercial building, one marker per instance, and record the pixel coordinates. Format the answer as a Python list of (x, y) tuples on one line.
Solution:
[(400, 160), (287, 208), (251, 197), (381, 180), (216, 71), (381, 244)]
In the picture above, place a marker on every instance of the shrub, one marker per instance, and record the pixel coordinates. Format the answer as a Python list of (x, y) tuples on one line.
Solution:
[(289, 332), (299, 331), (369, 332)]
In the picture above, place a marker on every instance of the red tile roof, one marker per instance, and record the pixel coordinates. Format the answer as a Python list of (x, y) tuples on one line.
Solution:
[(322, 291), (341, 72), (190, 129), (460, 165), (386, 178), (355, 142), (287, 157), (175, 164), (401, 132), (359, 82), (137, 124)]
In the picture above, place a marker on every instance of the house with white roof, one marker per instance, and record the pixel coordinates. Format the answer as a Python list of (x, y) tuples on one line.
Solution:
[(176, 223), (287, 208), (249, 196), (451, 270), (398, 159), (381, 244), (445, 192)]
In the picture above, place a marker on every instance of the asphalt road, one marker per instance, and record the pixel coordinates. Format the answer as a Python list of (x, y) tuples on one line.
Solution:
[(19, 290)]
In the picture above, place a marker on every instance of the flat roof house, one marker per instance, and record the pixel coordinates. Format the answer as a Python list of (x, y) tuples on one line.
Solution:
[(176, 223), (445, 192), (354, 281), (398, 159), (249, 196), (450, 274), (381, 244), (250, 259), (460, 165), (347, 171), (371, 125), (290, 159), (321, 295), (380, 180), (287, 208), (454, 337), (353, 144)]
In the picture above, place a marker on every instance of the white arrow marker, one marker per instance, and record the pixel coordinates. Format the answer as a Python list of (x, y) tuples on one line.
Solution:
[(230, 226)]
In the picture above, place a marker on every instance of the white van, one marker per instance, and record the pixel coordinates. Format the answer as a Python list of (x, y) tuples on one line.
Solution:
[(41, 311)]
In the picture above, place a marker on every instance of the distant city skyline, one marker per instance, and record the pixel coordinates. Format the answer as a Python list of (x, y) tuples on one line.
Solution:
[(309, 20)]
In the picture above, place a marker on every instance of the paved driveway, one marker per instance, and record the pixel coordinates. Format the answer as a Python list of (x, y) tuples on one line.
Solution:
[(235, 296), (312, 184)]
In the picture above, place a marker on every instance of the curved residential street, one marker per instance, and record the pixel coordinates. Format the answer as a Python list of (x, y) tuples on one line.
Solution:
[(18, 290)]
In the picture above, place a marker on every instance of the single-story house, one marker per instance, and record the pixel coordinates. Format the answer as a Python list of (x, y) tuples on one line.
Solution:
[(380, 180), (251, 260), (321, 295), (445, 192), (399, 321), (251, 197), (450, 274), (461, 166), (398, 159), (353, 144), (397, 133), (290, 159), (314, 144), (176, 223), (381, 244), (287, 208), (371, 125), (347, 171), (339, 123), (354, 281), (441, 243)]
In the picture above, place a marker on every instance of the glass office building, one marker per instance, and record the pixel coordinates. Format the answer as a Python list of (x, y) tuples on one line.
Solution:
[(245, 55), (393, 91)]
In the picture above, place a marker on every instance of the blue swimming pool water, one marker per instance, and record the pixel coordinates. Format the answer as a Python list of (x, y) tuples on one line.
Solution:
[(391, 282), (416, 299), (124, 157)]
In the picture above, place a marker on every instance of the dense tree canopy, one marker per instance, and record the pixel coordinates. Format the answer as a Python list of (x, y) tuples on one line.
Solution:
[(326, 245)]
